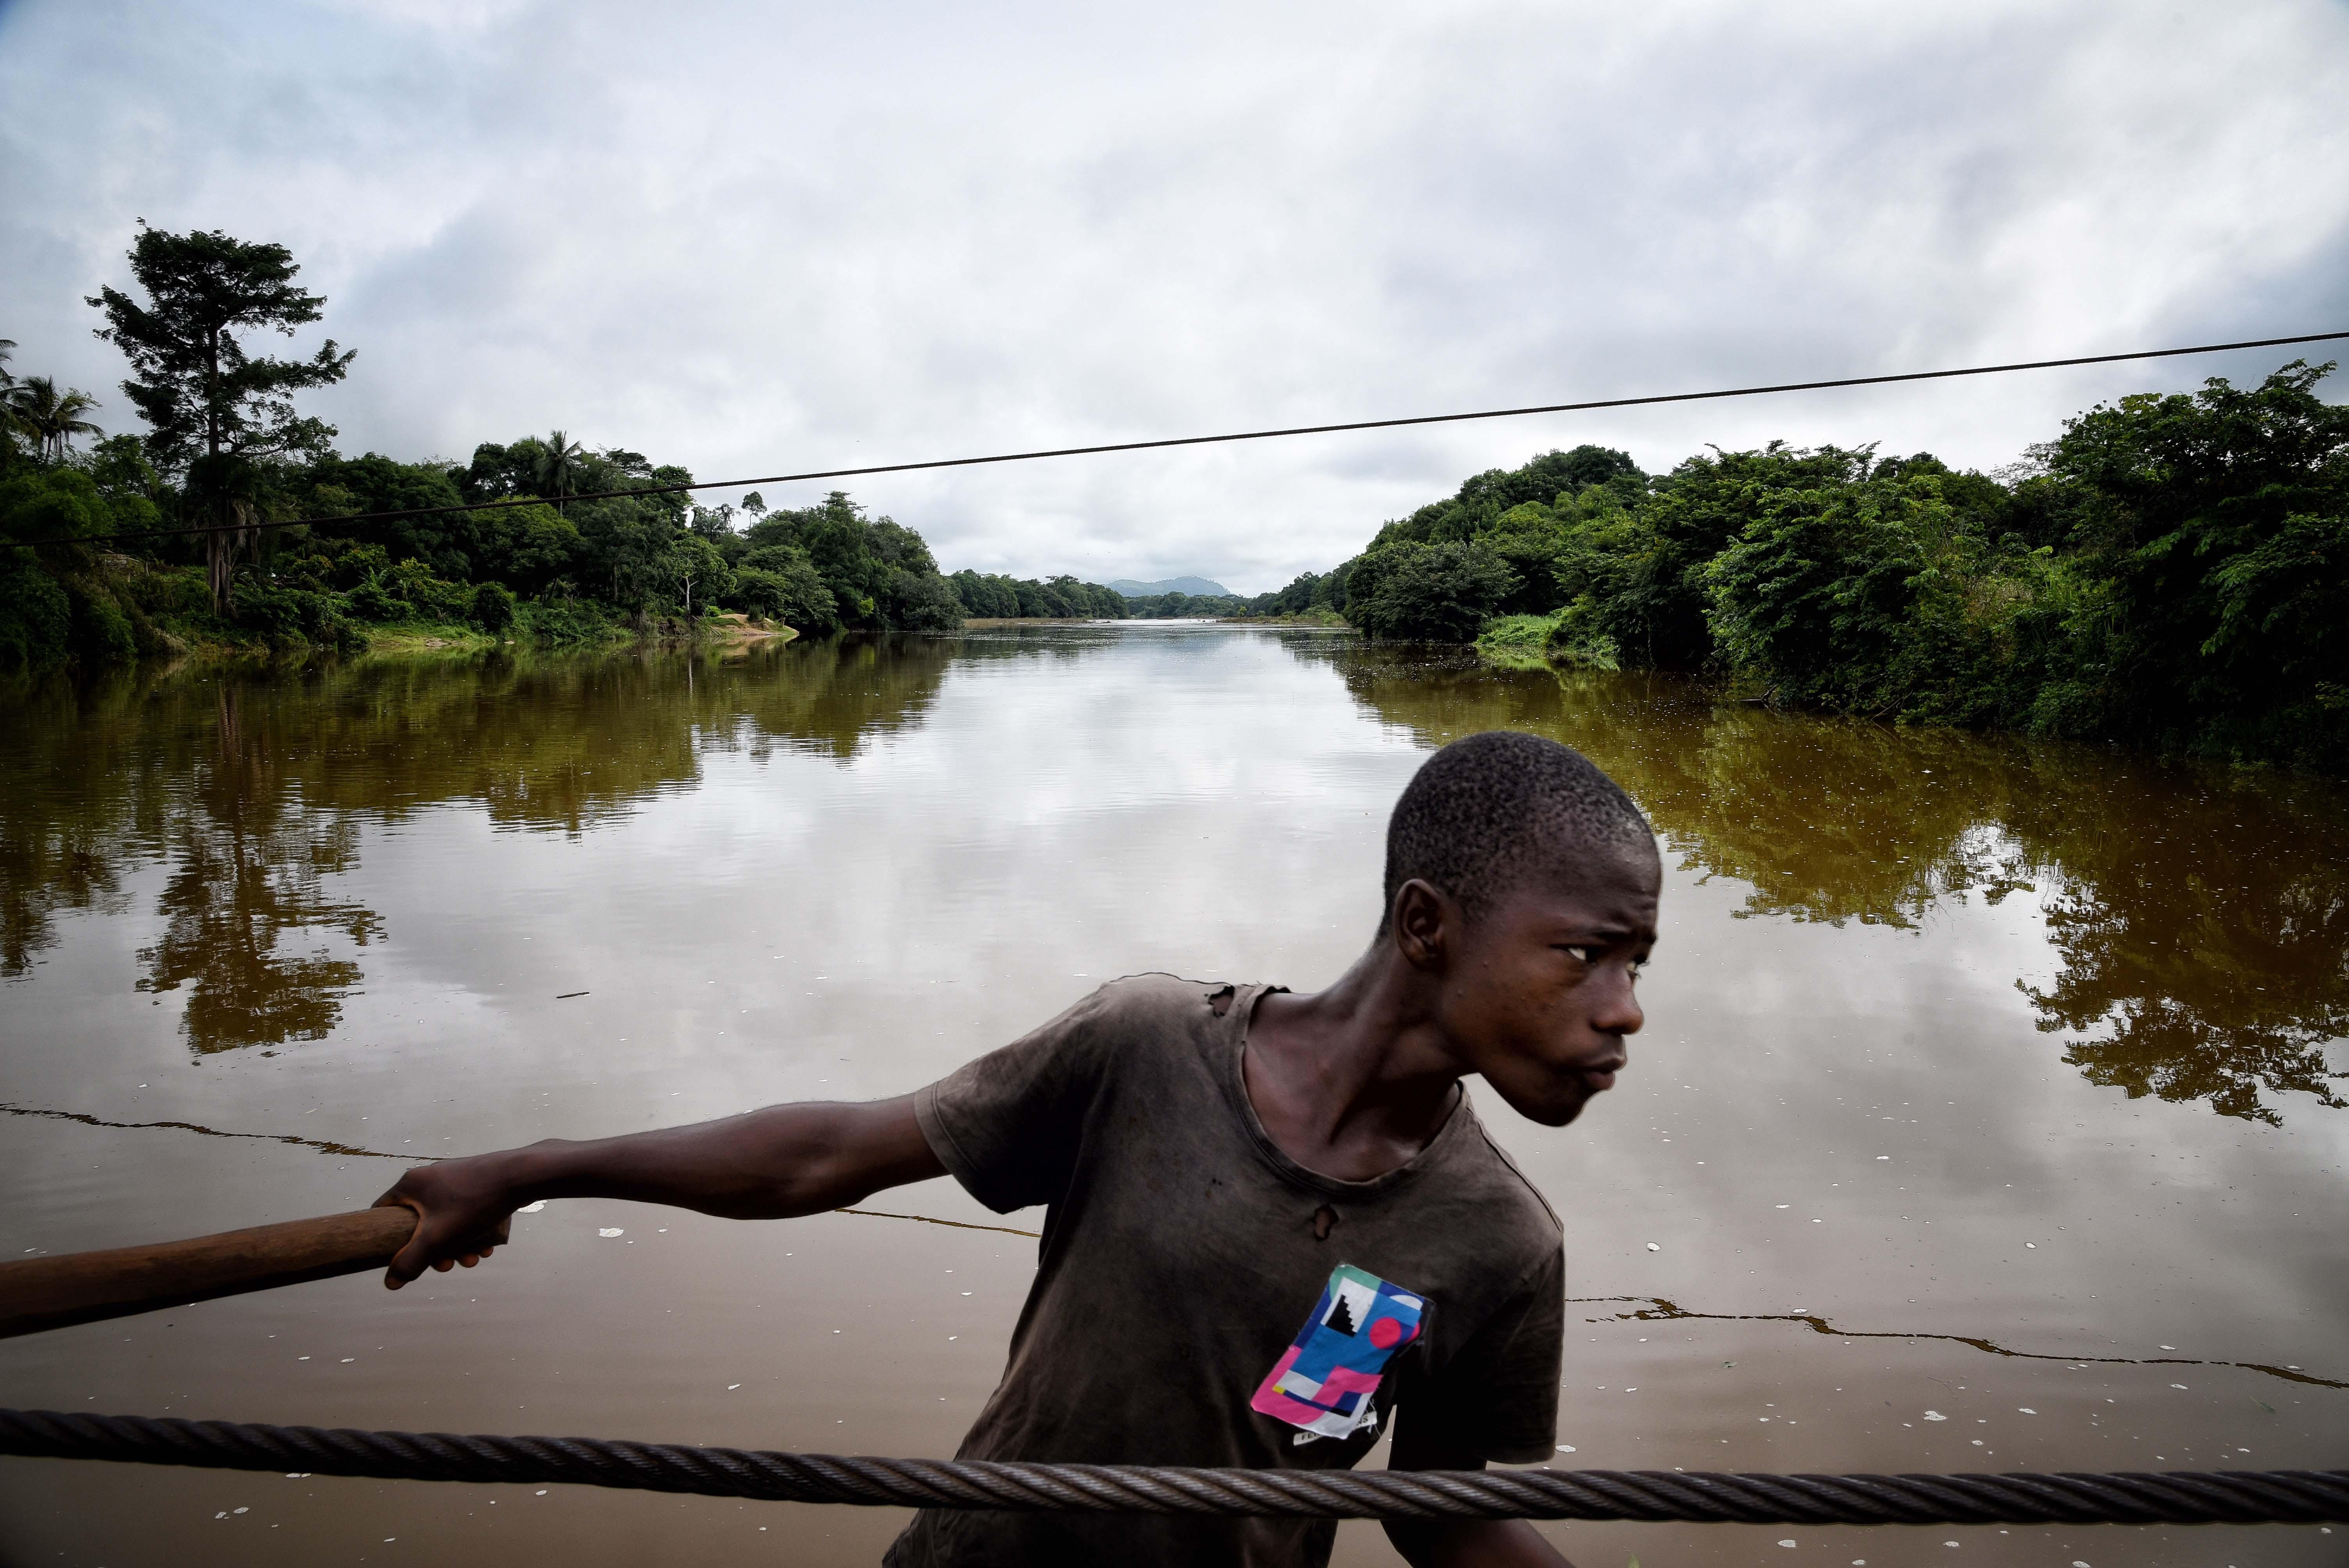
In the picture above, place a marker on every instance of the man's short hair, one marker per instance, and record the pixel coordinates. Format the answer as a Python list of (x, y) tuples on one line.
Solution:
[(1490, 809)]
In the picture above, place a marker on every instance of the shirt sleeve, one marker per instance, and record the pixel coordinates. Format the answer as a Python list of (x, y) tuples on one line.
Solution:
[(1009, 1125), (1498, 1398)]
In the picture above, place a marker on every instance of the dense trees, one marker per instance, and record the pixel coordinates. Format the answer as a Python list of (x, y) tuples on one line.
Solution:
[(2205, 583), (213, 410), (561, 568), (2172, 572), (982, 594), (1443, 592), (582, 544)]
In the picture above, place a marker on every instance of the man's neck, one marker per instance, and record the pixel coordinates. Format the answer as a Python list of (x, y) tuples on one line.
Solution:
[(1355, 1080)]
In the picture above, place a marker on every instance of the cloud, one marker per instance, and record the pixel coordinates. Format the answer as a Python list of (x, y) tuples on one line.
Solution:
[(750, 239)]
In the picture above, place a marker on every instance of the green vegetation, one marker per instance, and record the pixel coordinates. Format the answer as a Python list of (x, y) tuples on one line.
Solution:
[(1024, 598), (1312, 598), (2172, 573), (553, 562)]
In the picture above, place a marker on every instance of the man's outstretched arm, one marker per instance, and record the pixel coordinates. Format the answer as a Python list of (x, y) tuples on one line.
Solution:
[(1460, 1543), (771, 1164)]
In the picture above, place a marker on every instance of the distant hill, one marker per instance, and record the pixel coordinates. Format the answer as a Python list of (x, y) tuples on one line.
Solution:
[(1133, 590)]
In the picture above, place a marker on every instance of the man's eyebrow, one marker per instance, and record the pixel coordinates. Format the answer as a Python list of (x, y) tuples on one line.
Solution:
[(1603, 931)]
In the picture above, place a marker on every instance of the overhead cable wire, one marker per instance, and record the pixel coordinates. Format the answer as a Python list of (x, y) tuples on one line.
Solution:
[(1031, 456)]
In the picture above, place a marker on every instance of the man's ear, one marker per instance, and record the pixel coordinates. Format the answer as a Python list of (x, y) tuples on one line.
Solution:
[(1422, 921)]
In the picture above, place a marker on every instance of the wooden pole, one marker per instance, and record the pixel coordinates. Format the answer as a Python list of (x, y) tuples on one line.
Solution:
[(84, 1287)]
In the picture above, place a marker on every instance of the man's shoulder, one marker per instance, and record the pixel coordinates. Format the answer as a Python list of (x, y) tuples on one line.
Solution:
[(1122, 1025), (1157, 987), (1508, 1201), (1159, 1000)]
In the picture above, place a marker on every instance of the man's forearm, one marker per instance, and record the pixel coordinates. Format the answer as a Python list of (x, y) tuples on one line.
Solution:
[(771, 1164), (767, 1164)]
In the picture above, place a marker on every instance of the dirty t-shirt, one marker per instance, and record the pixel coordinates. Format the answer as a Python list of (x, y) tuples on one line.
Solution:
[(1179, 1261)]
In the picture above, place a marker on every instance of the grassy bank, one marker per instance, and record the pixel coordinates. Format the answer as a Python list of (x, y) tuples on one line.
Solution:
[(136, 608), (1561, 640), (1316, 615)]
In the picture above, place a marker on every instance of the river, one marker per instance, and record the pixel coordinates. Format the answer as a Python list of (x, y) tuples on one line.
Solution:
[(1989, 1113)]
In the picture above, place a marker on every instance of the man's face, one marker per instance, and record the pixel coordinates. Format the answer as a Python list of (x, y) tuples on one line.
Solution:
[(1538, 994)]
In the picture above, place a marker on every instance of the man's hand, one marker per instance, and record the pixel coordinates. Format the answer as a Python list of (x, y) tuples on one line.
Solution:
[(771, 1164), (1460, 1543), (463, 1213)]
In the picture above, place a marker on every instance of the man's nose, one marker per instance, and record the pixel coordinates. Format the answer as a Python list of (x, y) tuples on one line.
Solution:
[(1618, 1012)]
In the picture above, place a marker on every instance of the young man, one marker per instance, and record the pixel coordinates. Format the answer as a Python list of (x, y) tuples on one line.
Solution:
[(1224, 1163)]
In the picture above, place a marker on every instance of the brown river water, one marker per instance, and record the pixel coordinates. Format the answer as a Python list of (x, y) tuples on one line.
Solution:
[(1987, 1117)]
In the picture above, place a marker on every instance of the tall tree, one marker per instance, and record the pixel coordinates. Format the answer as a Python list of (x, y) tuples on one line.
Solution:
[(692, 559), (53, 419), (557, 465), (214, 408)]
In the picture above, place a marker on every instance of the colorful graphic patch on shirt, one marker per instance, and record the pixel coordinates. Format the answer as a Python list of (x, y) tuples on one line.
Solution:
[(1324, 1381)]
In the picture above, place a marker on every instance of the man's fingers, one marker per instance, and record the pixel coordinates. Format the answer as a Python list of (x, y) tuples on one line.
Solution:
[(433, 1246), (407, 1262)]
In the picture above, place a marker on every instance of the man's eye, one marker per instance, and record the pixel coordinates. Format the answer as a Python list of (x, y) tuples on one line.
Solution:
[(1585, 954)]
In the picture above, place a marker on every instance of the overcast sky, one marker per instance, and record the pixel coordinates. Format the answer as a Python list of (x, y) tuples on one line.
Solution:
[(751, 238)]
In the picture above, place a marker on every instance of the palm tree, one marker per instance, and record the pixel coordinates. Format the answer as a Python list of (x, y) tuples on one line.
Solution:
[(53, 419), (7, 352), (558, 464)]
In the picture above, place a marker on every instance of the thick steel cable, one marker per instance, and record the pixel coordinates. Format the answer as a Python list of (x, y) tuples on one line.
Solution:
[(1025, 457), (2228, 1497)]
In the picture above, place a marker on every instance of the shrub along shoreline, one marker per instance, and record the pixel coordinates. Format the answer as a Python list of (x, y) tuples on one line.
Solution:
[(2171, 572), (568, 546), (558, 572)]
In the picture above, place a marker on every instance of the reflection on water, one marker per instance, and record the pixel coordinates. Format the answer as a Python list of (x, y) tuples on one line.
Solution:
[(247, 889), (254, 787), (62, 813), (2201, 921), (2205, 942)]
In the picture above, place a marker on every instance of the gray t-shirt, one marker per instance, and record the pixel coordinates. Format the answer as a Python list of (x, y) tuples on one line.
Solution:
[(1179, 1262)]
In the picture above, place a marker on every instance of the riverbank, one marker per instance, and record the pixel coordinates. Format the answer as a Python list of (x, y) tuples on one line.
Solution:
[(194, 632), (1317, 616), (730, 630)]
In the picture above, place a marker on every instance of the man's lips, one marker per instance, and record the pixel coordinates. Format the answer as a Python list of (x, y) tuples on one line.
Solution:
[(1600, 1074)]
